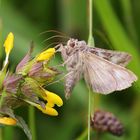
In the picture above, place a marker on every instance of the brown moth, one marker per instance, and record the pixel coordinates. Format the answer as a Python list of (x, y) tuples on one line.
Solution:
[(103, 70)]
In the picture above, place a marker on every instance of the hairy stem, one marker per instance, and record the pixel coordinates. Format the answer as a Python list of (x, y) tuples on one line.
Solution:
[(32, 122)]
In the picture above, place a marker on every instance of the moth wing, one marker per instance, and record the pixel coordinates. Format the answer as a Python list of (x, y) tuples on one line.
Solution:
[(105, 77), (74, 70), (119, 58), (70, 81)]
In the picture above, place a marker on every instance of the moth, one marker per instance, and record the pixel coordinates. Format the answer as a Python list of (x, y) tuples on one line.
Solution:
[(103, 70)]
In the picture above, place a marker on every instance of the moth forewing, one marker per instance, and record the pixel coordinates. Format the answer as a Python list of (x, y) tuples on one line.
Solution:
[(116, 57), (104, 76), (74, 69), (70, 81)]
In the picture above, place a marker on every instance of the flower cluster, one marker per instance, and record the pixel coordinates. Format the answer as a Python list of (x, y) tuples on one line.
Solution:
[(107, 122), (25, 85)]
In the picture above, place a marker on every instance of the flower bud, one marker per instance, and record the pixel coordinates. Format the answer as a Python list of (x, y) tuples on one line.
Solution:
[(7, 121), (46, 55), (8, 44), (11, 83), (41, 73)]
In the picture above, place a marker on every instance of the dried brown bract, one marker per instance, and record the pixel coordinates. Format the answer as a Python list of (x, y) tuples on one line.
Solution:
[(103, 70)]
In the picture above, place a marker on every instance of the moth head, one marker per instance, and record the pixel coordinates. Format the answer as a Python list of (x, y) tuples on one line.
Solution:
[(73, 43)]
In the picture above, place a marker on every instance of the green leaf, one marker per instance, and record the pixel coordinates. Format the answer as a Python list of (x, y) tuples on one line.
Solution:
[(21, 123)]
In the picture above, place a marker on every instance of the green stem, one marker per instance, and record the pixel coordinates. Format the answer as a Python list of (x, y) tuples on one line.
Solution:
[(90, 38), (89, 113), (1, 134), (32, 122), (90, 110), (3, 94), (90, 43)]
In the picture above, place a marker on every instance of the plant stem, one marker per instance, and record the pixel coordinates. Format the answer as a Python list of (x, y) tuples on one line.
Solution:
[(32, 122), (1, 138), (90, 43), (90, 38), (3, 94), (89, 111)]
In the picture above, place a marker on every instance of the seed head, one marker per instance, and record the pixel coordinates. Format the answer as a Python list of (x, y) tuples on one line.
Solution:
[(106, 122)]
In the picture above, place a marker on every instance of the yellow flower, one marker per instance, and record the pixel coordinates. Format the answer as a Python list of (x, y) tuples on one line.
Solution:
[(7, 121), (48, 110), (8, 44), (51, 99), (46, 55)]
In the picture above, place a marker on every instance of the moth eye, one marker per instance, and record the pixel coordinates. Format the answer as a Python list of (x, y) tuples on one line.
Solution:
[(72, 44)]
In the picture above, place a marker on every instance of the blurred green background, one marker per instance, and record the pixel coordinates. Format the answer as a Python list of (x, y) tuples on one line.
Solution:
[(116, 25)]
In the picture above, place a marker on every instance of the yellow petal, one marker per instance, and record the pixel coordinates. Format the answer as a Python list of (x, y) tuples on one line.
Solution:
[(53, 98), (8, 121), (46, 55), (50, 104), (48, 110), (8, 44)]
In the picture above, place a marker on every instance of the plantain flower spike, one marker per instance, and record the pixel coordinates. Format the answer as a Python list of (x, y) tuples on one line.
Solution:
[(8, 44), (7, 121), (46, 55)]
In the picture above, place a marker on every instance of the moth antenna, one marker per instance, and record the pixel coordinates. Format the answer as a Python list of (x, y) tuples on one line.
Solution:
[(55, 36), (31, 46), (57, 44), (104, 38), (53, 31), (57, 81)]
